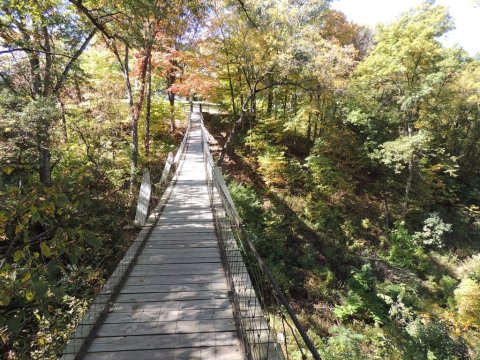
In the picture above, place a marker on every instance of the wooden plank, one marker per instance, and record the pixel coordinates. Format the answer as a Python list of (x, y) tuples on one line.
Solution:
[(167, 327), (175, 279), (140, 287), (179, 238), (171, 305), (203, 353), (143, 199), (184, 227), (184, 231), (184, 221), (182, 245), (178, 209), (177, 269), (216, 269), (200, 252), (189, 216), (170, 296), (166, 169), (169, 315), (146, 342), (176, 260)]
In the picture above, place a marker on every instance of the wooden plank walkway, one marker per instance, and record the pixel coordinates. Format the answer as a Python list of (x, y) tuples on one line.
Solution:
[(175, 303)]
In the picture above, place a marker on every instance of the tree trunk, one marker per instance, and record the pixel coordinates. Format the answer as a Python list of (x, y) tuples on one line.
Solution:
[(148, 109), (309, 127), (387, 211), (42, 126), (408, 184), (64, 121), (232, 93), (44, 159), (295, 101), (315, 129), (124, 67), (171, 78), (253, 108), (269, 102), (77, 90), (45, 166), (171, 100), (227, 148)]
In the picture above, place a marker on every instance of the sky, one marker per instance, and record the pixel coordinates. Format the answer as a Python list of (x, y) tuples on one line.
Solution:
[(464, 13)]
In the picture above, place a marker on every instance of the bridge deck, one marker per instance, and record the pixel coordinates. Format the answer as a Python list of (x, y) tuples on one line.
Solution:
[(175, 303)]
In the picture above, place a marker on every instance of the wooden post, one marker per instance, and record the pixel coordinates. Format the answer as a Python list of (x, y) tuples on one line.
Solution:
[(143, 199)]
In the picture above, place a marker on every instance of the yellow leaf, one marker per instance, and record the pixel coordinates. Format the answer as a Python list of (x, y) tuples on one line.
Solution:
[(29, 295), (45, 250), (27, 277), (8, 169), (4, 300), (17, 255), (19, 229)]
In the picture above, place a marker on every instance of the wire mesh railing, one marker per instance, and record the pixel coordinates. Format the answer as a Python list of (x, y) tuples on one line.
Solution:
[(267, 325), (61, 283)]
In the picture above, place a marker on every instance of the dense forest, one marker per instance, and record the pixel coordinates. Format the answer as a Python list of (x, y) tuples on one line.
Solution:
[(351, 154)]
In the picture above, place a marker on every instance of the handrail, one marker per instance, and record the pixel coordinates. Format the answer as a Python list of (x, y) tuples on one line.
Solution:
[(234, 243), (99, 308)]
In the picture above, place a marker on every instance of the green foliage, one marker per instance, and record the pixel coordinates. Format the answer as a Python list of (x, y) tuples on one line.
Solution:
[(397, 153), (432, 233), (402, 300), (344, 344), (402, 246), (161, 112), (248, 205), (467, 293), (362, 300), (431, 340), (272, 166)]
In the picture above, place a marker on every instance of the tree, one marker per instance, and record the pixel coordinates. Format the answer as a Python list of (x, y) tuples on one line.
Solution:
[(138, 26), (42, 40), (397, 91)]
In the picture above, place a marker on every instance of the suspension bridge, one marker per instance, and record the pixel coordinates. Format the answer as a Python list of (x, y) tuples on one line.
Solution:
[(191, 286)]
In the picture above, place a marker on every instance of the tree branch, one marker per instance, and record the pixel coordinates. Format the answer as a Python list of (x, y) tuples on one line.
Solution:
[(79, 5), (242, 4), (74, 58), (24, 49)]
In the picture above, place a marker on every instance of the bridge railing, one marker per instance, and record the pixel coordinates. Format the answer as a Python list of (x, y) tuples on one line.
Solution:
[(267, 324), (101, 305)]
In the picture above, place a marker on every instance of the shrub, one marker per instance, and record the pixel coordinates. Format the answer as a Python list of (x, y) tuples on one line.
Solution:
[(362, 299), (402, 246), (431, 340), (273, 166), (344, 344), (433, 230), (467, 294), (247, 203)]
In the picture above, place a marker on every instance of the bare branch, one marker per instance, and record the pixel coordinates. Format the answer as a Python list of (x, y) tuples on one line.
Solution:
[(24, 49), (242, 4), (74, 58), (79, 5)]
